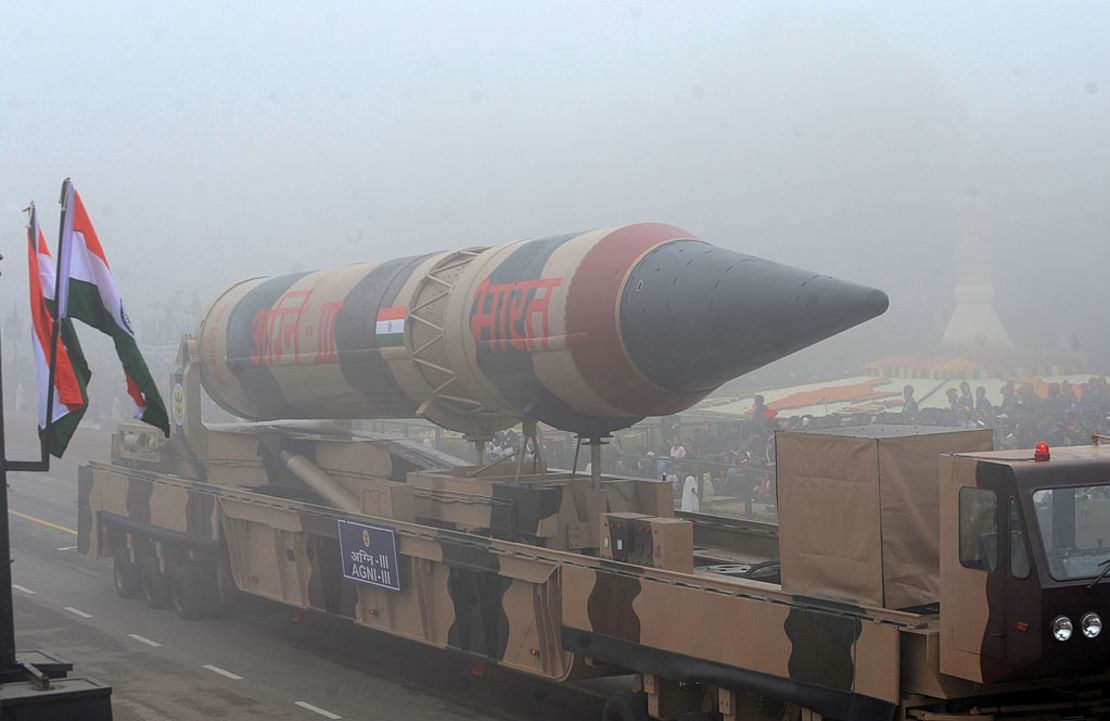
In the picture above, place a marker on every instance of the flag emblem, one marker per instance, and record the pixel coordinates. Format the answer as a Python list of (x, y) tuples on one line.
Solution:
[(390, 327), (178, 404)]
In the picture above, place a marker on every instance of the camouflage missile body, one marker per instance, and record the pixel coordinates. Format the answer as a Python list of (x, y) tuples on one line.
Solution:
[(587, 332)]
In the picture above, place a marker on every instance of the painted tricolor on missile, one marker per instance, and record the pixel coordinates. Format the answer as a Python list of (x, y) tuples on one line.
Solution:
[(390, 328)]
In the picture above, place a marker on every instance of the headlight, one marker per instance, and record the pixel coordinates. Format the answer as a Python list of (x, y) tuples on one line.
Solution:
[(1061, 628), (1091, 624)]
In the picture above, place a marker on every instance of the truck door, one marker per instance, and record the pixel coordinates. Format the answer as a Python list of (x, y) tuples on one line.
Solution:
[(972, 577), (1022, 590), (980, 573)]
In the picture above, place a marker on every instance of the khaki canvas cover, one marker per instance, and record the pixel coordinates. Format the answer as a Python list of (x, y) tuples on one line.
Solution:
[(858, 511)]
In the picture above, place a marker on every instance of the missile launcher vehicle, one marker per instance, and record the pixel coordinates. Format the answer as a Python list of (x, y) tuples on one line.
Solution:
[(914, 574)]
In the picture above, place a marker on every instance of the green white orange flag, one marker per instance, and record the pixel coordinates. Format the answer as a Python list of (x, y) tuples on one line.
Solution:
[(88, 292), (71, 374)]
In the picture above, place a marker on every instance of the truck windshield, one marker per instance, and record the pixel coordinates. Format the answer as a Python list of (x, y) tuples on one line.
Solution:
[(1075, 527)]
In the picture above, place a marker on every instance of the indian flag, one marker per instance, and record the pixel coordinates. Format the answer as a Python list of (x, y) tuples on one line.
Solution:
[(87, 291), (71, 373), (390, 328)]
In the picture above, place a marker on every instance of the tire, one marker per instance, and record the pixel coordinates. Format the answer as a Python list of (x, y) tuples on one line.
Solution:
[(156, 587), (187, 592), (127, 576), (230, 600), (219, 600), (626, 707), (210, 592)]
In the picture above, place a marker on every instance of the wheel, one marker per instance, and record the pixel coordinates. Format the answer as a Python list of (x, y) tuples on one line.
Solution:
[(187, 591), (127, 576), (220, 594), (626, 707), (210, 592), (156, 586)]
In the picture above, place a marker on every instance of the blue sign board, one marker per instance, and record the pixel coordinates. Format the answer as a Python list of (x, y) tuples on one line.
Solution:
[(369, 555)]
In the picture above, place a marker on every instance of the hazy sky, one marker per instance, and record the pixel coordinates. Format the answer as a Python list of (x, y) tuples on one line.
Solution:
[(213, 142)]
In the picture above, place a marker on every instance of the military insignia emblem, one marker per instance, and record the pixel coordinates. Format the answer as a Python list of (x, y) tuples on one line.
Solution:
[(178, 404)]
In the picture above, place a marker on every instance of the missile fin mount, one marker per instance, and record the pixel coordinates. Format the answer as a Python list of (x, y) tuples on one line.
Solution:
[(587, 332), (450, 404)]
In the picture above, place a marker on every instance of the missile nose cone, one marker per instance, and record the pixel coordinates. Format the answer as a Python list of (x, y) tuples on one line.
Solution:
[(877, 302), (694, 316)]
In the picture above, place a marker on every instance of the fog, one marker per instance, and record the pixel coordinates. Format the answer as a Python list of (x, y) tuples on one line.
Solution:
[(213, 143), (218, 141)]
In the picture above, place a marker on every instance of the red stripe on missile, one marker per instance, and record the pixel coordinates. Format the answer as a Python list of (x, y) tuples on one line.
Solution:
[(592, 309)]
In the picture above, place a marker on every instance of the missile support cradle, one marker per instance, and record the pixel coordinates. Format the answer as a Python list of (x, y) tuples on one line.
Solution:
[(867, 607)]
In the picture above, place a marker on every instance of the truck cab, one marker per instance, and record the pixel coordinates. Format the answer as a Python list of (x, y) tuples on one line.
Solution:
[(1025, 564)]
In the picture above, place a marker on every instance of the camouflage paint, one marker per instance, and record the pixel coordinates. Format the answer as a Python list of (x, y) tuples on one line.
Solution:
[(535, 610), (246, 322), (610, 606), (363, 365), (821, 647), (498, 355), (533, 329)]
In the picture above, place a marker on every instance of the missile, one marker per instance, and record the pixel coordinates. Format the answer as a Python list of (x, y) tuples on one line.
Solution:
[(586, 332)]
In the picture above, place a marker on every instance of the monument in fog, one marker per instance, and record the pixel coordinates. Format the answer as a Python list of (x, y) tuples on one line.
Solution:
[(974, 324)]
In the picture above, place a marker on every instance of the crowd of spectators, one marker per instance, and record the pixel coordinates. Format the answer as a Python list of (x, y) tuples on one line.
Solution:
[(737, 460), (734, 460), (1066, 413)]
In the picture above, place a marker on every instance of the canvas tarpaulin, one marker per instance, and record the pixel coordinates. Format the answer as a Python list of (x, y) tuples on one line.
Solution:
[(858, 511)]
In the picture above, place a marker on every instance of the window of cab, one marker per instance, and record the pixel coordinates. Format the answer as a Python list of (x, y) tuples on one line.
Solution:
[(978, 529), (1075, 529)]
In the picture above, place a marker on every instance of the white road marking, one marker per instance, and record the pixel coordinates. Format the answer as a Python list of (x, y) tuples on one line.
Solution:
[(223, 672), (144, 639), (78, 612), (26, 590), (68, 548), (316, 709)]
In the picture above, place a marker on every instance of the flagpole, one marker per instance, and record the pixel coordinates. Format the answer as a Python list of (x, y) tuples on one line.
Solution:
[(45, 440), (7, 618)]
